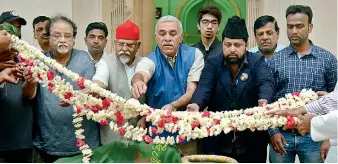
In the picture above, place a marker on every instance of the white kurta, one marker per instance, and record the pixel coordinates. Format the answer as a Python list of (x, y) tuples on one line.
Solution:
[(325, 127)]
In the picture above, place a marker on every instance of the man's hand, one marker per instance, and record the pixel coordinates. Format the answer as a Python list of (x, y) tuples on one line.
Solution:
[(142, 122), (262, 102), (324, 149), (8, 54), (277, 141), (169, 107), (321, 93), (289, 112), (305, 125), (28, 78), (139, 88), (10, 75), (193, 108), (7, 64)]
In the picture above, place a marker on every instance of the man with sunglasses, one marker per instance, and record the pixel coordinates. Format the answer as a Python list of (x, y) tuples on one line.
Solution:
[(115, 71), (209, 19)]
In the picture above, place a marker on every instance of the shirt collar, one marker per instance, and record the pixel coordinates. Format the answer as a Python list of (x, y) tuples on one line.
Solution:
[(104, 54), (212, 46), (278, 48), (312, 51)]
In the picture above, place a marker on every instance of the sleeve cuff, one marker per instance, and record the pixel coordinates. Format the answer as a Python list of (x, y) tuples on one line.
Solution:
[(313, 107), (273, 131)]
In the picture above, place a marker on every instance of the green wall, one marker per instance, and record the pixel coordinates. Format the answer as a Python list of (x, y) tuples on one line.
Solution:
[(187, 10)]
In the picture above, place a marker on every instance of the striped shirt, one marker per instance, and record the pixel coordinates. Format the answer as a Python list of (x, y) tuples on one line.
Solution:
[(325, 104), (317, 70)]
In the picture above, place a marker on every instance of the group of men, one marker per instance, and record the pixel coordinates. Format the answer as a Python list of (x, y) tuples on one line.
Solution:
[(211, 75)]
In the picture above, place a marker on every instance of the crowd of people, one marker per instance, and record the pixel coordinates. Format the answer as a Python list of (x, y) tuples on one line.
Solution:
[(213, 75)]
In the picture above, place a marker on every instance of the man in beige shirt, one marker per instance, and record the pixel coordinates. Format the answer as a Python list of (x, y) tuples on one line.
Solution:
[(169, 75)]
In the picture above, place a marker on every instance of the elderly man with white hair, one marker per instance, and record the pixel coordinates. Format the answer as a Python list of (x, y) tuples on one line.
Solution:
[(169, 75)]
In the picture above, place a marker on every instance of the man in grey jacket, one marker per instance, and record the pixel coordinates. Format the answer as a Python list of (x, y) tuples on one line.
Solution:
[(115, 71)]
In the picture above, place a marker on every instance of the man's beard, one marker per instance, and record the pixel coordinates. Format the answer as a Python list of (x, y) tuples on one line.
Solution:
[(124, 57), (62, 49), (235, 60)]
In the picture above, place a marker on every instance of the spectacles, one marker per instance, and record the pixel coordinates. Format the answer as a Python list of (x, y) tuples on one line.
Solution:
[(206, 22), (122, 44), (59, 36)]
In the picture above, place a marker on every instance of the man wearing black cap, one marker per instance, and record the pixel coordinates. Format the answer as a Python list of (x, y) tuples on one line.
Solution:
[(232, 80), (13, 18)]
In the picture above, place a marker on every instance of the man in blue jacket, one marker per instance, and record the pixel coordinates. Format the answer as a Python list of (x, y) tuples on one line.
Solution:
[(169, 75), (235, 79)]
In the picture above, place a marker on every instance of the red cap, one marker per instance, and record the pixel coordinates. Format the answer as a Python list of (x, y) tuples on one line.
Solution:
[(128, 30)]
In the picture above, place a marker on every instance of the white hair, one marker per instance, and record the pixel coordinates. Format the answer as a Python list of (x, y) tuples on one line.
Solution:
[(169, 18)]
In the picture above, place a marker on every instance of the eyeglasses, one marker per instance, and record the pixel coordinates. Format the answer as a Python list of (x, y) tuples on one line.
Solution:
[(206, 22), (122, 44), (59, 36)]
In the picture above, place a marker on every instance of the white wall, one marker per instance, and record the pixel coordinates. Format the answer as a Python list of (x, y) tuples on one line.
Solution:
[(85, 12), (324, 33), (82, 12)]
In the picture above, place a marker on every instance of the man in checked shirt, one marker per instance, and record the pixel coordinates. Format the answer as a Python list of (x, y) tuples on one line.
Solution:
[(300, 65)]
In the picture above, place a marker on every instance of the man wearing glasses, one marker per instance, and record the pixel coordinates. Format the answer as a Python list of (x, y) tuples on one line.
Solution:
[(54, 135), (115, 71), (209, 19)]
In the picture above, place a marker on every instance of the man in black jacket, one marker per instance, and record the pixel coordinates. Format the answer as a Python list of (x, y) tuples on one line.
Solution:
[(233, 80)]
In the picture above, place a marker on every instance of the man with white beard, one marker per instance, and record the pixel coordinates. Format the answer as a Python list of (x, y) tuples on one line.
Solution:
[(54, 135), (115, 71)]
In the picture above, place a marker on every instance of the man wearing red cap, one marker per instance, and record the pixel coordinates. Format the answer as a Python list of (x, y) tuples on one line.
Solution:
[(169, 75), (115, 71)]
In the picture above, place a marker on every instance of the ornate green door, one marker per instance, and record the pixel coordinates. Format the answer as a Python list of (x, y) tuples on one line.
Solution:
[(187, 12)]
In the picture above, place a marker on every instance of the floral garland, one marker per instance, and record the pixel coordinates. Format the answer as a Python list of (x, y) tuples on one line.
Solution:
[(188, 125)]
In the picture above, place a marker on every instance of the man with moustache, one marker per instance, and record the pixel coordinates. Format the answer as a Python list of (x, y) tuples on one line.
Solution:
[(39, 30), (169, 75), (300, 65), (209, 19), (232, 80), (54, 136), (115, 71), (266, 32), (96, 40)]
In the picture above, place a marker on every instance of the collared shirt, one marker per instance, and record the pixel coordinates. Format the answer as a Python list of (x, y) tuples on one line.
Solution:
[(102, 72), (148, 66), (104, 54), (317, 71), (256, 49), (325, 104), (171, 60)]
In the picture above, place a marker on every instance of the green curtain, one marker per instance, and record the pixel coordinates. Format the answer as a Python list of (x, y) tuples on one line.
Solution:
[(130, 152)]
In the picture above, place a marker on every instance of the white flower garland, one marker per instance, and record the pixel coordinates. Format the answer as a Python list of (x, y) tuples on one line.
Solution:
[(188, 125)]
